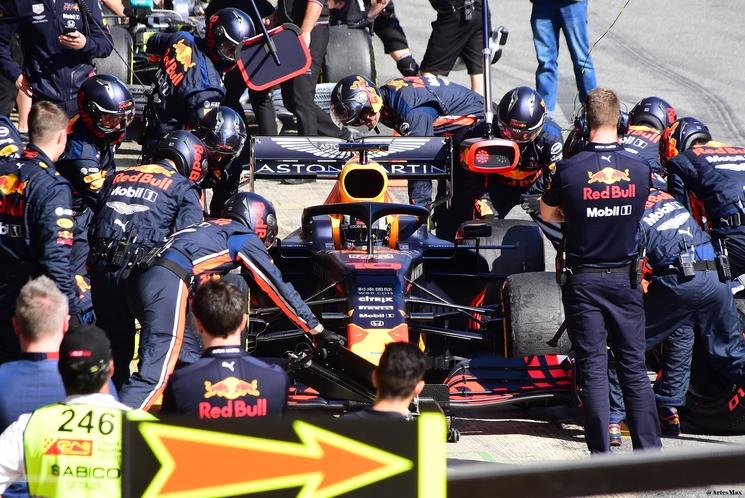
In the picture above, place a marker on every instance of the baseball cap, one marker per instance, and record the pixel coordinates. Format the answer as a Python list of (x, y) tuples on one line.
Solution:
[(84, 350)]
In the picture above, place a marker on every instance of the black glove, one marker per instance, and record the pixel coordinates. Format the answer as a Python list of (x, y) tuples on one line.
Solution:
[(330, 340), (408, 66), (530, 203)]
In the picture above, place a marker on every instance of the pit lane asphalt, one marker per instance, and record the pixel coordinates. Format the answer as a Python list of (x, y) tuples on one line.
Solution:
[(686, 51)]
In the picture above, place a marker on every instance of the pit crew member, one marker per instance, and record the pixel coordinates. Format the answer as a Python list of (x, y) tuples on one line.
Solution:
[(10, 140), (105, 109), (189, 78), (226, 382), (712, 172), (138, 208), (647, 120), (59, 41), (89, 413), (412, 106), (601, 291), (35, 219), (223, 133), (684, 278), (211, 248)]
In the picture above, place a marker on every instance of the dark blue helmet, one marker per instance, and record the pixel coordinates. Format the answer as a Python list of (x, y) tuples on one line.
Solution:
[(520, 114), (223, 133), (680, 136), (654, 112), (227, 29), (106, 107), (352, 99), (254, 211), (186, 151)]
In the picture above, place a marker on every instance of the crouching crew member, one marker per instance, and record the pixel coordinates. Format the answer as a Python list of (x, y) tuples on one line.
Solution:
[(684, 279), (189, 79), (712, 172), (226, 382), (601, 291), (212, 248), (139, 207), (35, 220), (223, 133)]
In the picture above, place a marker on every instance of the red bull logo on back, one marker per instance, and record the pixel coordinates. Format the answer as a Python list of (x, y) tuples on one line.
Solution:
[(231, 388), (609, 176)]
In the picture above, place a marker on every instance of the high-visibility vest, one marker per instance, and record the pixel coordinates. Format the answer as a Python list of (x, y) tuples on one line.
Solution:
[(75, 450)]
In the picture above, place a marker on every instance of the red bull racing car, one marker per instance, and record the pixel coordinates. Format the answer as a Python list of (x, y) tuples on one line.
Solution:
[(481, 308)]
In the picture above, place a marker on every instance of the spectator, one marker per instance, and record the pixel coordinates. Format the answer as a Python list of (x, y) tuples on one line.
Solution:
[(59, 41), (569, 16), (601, 294), (457, 32), (37, 209), (32, 381), (398, 379), (226, 382), (86, 366)]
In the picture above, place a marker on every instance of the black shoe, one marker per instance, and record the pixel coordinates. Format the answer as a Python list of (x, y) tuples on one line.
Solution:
[(669, 421)]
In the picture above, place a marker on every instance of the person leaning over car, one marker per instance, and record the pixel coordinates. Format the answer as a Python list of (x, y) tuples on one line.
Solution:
[(206, 250), (599, 195), (254, 388), (59, 42), (32, 446)]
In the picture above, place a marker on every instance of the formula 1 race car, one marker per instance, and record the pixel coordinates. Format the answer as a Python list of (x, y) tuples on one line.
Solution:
[(481, 308)]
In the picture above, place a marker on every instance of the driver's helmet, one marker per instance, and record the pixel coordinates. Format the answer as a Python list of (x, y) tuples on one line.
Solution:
[(653, 112), (354, 232), (223, 133), (227, 29), (106, 107), (520, 115), (680, 136), (255, 212), (352, 98), (186, 151)]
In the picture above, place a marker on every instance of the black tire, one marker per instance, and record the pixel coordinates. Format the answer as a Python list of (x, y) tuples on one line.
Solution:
[(533, 313), (350, 51), (524, 247), (113, 64)]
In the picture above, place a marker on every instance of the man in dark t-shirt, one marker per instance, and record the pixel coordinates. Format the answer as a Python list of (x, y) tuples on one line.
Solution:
[(599, 196), (226, 382), (398, 378)]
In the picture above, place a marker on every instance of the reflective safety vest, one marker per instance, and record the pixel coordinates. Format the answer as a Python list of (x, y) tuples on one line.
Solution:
[(75, 450)]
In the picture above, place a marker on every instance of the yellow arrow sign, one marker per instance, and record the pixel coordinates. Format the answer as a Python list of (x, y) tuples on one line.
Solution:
[(197, 463)]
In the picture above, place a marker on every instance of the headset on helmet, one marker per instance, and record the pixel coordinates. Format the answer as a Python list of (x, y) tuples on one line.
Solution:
[(223, 133), (352, 98), (106, 107), (654, 112), (256, 212), (520, 114), (227, 29), (681, 135), (186, 151)]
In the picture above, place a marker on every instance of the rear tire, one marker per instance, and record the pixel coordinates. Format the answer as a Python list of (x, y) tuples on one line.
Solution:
[(113, 64), (533, 313), (350, 51)]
